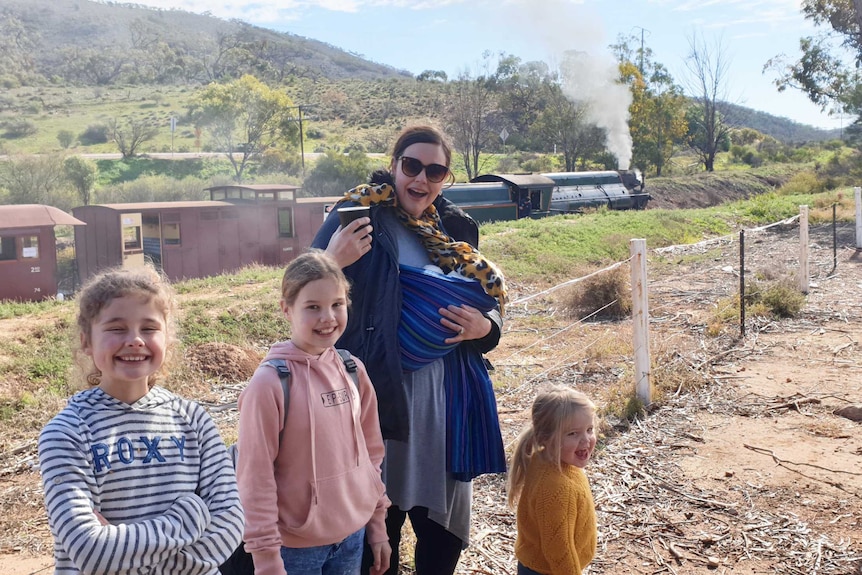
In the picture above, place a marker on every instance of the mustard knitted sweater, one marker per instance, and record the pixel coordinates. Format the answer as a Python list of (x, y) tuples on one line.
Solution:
[(556, 520)]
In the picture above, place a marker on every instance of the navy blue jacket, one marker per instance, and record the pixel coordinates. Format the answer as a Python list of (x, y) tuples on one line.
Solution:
[(372, 328)]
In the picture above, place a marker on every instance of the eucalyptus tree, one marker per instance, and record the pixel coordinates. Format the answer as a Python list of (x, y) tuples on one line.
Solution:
[(523, 91), (244, 118), (564, 123), (657, 113), (81, 173), (18, 46), (829, 70)]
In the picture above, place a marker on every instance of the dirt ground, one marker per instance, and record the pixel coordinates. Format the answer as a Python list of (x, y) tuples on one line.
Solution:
[(744, 469)]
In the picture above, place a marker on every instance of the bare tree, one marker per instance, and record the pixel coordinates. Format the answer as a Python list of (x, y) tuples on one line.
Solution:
[(708, 69), (130, 135), (471, 106)]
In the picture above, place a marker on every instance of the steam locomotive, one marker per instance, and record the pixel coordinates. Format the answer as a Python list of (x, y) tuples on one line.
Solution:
[(496, 197)]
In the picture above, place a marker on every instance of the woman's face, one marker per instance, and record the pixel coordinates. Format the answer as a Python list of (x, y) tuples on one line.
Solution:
[(416, 193)]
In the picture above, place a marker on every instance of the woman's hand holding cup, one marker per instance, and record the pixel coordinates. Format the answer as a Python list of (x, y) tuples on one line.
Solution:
[(353, 240)]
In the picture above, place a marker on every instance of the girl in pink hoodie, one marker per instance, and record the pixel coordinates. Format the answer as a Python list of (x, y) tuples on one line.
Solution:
[(310, 482)]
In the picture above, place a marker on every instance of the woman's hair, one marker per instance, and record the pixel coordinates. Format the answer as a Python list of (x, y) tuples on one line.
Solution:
[(311, 266), (105, 287), (551, 410), (421, 134)]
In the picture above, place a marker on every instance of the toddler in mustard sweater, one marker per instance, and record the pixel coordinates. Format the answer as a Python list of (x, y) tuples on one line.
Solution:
[(556, 513)]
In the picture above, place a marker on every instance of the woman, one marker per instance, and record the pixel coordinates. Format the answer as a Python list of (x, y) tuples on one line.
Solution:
[(436, 404)]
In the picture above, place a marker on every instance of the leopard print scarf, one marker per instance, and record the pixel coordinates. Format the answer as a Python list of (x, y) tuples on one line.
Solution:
[(446, 253)]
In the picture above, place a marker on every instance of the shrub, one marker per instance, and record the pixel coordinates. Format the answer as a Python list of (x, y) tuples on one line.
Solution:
[(765, 297), (801, 184), (780, 298), (19, 128), (94, 134), (335, 173), (606, 295), (274, 161), (66, 138), (9, 82)]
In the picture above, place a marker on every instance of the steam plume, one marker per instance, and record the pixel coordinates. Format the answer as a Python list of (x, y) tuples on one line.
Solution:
[(575, 36)]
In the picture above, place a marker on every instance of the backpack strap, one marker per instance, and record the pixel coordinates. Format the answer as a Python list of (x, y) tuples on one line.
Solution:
[(283, 371), (349, 365)]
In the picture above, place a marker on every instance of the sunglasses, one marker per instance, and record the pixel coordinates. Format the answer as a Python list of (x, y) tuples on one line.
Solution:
[(412, 167)]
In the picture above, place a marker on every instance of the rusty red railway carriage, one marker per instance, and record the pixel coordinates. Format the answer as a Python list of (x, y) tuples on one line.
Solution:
[(28, 250), (240, 225)]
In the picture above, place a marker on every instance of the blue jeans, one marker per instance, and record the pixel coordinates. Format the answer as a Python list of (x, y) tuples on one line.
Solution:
[(526, 570), (343, 558)]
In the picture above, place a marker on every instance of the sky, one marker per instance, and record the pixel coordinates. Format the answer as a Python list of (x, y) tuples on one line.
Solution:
[(452, 35)]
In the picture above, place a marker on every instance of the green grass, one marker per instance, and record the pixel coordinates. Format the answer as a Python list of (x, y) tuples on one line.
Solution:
[(554, 247), (242, 308), (56, 108), (9, 309)]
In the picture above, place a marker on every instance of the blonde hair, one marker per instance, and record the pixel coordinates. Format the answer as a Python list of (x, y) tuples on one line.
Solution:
[(551, 410), (313, 265), (105, 287)]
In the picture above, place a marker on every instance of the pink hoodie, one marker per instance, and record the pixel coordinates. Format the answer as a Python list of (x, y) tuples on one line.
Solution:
[(322, 482)]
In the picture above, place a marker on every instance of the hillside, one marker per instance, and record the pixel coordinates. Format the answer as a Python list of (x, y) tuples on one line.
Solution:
[(73, 66), (782, 129), (95, 43)]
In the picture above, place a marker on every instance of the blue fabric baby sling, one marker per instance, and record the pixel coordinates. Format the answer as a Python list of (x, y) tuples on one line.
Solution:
[(474, 444)]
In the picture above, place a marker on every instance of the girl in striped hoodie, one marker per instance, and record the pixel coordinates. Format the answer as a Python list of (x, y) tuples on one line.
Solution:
[(136, 479)]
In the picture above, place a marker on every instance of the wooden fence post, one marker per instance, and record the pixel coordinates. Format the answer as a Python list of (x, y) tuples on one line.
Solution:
[(640, 317), (857, 192), (804, 267)]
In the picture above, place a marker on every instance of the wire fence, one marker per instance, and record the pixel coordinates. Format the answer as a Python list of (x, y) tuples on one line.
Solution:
[(634, 479)]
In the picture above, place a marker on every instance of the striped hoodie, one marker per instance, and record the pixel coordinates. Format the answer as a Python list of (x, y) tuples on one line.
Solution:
[(157, 471)]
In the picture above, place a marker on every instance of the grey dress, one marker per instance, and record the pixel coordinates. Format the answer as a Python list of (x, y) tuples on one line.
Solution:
[(415, 471)]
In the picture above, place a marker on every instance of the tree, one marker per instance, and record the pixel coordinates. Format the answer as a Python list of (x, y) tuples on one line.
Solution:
[(36, 180), (130, 134), (708, 69), (17, 46), (828, 72), (432, 76), (469, 112), (245, 117), (563, 123), (657, 113), (100, 66), (523, 91), (335, 173), (65, 137), (81, 173)]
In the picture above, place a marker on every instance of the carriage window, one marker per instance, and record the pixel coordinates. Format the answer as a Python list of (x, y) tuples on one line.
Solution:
[(132, 238), (30, 247), (171, 234), (7, 248), (285, 222)]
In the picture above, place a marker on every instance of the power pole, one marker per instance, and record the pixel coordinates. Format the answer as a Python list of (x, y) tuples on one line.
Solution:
[(301, 143), (298, 119), (641, 67)]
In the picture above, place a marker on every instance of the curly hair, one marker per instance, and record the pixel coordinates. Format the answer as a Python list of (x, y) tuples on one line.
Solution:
[(102, 289)]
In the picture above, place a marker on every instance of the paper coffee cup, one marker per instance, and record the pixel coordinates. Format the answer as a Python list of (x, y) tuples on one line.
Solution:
[(348, 214)]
